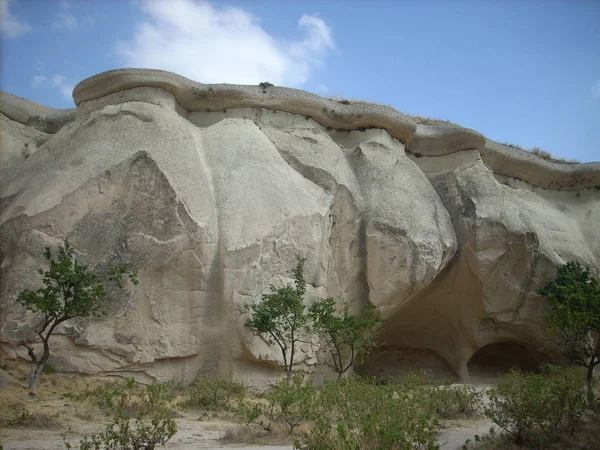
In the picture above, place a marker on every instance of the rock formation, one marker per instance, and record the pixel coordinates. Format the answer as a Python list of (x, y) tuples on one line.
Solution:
[(211, 191)]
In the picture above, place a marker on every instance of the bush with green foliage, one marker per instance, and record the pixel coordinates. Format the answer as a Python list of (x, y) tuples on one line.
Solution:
[(141, 421), (290, 402), (213, 394), (358, 414), (103, 395), (574, 317), (265, 85), (347, 338), (535, 409), (70, 290), (454, 401)]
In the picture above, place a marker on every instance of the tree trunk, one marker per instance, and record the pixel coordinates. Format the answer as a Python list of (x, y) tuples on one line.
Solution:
[(36, 372), (590, 391), (38, 366)]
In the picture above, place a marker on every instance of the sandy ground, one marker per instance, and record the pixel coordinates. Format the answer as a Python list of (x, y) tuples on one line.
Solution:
[(454, 436)]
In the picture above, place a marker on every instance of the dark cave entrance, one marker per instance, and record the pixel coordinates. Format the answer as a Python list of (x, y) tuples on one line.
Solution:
[(494, 360)]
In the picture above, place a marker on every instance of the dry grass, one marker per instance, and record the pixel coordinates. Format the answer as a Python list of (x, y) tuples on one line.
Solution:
[(418, 119), (547, 156), (51, 406), (431, 120), (20, 414), (345, 101), (249, 435)]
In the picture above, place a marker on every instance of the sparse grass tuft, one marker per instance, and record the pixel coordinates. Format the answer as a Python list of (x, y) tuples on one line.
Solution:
[(14, 414), (542, 154), (102, 396), (431, 120)]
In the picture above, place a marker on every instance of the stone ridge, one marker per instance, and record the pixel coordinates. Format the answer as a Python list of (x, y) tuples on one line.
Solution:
[(195, 96), (420, 140), (31, 114)]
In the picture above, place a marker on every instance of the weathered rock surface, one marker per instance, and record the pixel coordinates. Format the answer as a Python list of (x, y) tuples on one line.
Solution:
[(211, 191)]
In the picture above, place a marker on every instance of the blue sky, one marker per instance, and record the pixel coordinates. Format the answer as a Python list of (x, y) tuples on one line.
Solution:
[(523, 72)]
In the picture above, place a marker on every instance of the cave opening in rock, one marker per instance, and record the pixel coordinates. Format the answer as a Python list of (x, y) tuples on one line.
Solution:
[(494, 360)]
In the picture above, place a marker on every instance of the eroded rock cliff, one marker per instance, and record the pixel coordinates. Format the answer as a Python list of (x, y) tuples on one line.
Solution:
[(211, 191)]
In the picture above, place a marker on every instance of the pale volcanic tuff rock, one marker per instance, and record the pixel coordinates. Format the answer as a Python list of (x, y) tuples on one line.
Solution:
[(212, 190)]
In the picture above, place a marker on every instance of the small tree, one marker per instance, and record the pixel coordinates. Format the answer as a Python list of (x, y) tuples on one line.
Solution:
[(281, 317), (70, 290), (574, 317), (348, 338)]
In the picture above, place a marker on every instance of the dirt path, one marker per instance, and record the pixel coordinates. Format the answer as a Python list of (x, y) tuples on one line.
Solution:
[(454, 437)]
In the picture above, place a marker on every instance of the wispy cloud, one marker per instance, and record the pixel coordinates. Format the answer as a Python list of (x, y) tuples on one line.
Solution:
[(58, 81), (38, 79), (596, 89), (10, 26), (66, 89), (222, 44), (66, 19)]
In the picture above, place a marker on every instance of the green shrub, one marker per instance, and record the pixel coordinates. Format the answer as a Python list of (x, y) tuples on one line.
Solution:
[(444, 401), (290, 402), (213, 394), (361, 414), (452, 402), (536, 409), (152, 424), (104, 395)]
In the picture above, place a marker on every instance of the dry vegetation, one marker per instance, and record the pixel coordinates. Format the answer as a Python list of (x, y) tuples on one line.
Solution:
[(542, 154), (433, 121), (220, 413)]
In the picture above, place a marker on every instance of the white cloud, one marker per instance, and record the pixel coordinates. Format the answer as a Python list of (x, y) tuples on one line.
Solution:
[(9, 24), (596, 89), (66, 89), (58, 81), (224, 44), (38, 79), (67, 20)]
